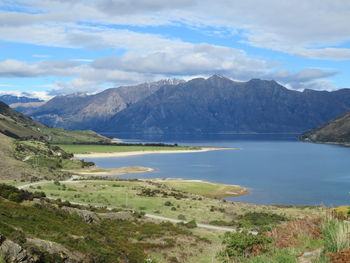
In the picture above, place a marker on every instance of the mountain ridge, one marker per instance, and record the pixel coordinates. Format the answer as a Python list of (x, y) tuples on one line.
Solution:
[(213, 105), (220, 105), (85, 112)]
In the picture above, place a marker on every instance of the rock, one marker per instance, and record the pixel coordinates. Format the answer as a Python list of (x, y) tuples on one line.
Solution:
[(14, 253), (88, 216), (55, 248), (122, 215)]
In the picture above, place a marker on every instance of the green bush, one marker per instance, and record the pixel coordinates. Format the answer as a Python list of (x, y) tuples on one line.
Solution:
[(168, 203), (191, 224), (240, 245), (16, 195), (221, 223), (261, 219)]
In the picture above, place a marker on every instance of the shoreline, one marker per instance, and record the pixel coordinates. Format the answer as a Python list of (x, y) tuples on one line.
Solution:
[(134, 153)]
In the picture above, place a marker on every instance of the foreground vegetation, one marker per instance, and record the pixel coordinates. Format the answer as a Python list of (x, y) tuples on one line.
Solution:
[(136, 239), (28, 224), (267, 234)]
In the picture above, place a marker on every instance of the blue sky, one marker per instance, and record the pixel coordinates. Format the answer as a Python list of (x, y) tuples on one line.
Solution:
[(56, 47)]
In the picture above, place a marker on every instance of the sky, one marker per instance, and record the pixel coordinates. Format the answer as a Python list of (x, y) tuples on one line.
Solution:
[(59, 47)]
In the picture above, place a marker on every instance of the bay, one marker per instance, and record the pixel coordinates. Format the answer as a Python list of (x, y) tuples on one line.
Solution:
[(277, 169)]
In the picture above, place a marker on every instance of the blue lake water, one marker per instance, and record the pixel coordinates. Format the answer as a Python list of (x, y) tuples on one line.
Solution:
[(277, 168)]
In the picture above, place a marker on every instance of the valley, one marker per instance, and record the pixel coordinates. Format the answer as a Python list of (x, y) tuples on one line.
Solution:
[(76, 196)]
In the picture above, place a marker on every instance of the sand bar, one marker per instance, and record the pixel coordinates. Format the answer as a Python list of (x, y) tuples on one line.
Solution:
[(97, 171), (132, 153)]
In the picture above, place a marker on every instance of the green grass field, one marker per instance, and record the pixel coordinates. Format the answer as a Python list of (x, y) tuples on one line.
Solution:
[(207, 189), (83, 149), (128, 194)]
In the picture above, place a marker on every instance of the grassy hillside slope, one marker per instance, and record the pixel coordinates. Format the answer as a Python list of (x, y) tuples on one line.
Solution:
[(337, 130), (20, 126)]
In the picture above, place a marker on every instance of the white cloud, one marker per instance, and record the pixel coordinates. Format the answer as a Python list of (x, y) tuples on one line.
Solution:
[(303, 27), (11, 68), (43, 95), (293, 27), (189, 60)]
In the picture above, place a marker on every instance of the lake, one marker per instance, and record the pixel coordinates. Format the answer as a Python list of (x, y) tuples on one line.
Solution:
[(277, 168)]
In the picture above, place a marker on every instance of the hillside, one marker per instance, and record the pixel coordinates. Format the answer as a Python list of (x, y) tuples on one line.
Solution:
[(337, 131), (220, 105), (20, 126), (82, 111)]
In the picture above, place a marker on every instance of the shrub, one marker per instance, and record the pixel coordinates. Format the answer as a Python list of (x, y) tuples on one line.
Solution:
[(168, 203), (14, 194), (221, 223), (57, 183), (181, 217), (261, 218), (243, 244), (191, 224)]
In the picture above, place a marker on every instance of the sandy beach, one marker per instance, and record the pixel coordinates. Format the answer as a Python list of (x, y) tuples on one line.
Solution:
[(125, 154)]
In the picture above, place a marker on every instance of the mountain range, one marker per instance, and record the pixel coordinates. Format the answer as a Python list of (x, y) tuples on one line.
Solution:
[(213, 105), (82, 111), (10, 99)]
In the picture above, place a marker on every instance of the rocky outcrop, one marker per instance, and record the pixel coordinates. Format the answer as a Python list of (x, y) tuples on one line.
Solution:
[(66, 255), (122, 216), (88, 216), (14, 253)]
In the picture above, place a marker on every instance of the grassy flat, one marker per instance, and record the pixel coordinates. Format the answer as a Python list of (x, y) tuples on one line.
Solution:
[(207, 189), (84, 149), (129, 194)]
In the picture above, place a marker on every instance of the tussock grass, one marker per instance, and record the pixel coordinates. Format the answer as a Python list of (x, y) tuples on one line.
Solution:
[(335, 235)]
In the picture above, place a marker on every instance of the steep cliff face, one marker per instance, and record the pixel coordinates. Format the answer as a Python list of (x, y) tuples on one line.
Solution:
[(218, 104), (81, 111), (337, 131)]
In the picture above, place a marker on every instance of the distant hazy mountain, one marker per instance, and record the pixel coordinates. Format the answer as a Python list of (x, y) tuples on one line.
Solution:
[(10, 99), (81, 111), (220, 105), (337, 130)]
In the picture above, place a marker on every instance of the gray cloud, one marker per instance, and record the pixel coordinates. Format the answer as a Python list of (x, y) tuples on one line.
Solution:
[(121, 7), (304, 75)]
